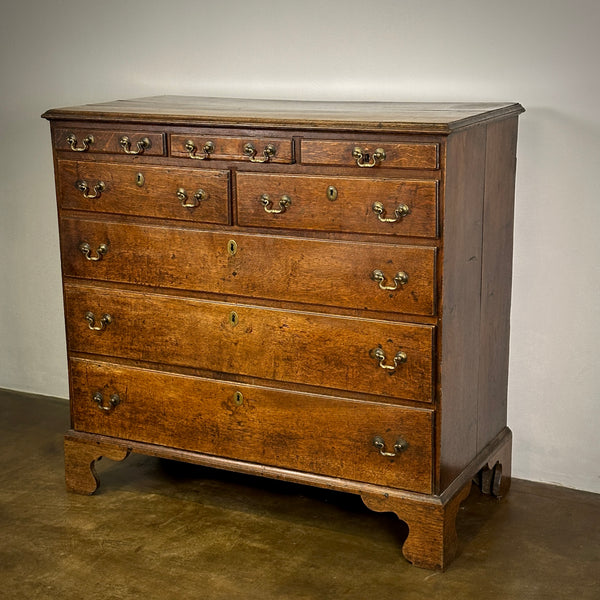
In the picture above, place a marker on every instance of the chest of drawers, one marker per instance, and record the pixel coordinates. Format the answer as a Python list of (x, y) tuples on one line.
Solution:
[(315, 292)]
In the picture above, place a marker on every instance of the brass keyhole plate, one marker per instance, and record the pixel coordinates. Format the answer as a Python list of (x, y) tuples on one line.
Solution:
[(233, 318), (238, 398), (332, 193), (232, 247), (139, 179)]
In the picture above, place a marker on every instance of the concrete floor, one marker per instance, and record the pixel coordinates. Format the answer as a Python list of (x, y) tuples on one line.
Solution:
[(159, 530)]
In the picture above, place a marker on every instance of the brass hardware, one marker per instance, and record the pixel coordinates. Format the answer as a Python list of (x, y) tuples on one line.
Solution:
[(233, 318), (105, 321), (361, 156), (401, 211), (142, 145), (87, 142), (284, 204), (268, 153), (332, 193), (401, 278), (238, 398), (86, 250), (207, 150), (83, 186), (232, 247), (198, 197), (379, 355), (140, 179), (400, 445), (99, 399)]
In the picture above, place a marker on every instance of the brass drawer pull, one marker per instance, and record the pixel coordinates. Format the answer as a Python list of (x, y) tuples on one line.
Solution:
[(401, 211), (105, 321), (197, 198), (379, 355), (86, 250), (401, 278), (87, 142), (400, 445), (207, 150), (142, 145), (83, 187), (99, 399), (268, 153), (361, 156), (284, 204)]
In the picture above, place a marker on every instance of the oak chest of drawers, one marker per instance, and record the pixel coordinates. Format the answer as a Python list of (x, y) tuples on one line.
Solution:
[(315, 292)]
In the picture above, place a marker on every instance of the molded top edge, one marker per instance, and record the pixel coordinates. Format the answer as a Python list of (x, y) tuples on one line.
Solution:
[(424, 117)]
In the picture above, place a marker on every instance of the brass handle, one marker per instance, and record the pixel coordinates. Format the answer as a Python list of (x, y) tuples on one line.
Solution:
[(115, 400), (401, 211), (86, 250), (400, 445), (401, 278), (379, 355), (284, 204), (268, 153), (197, 198), (207, 150), (83, 186), (141, 145), (87, 142), (105, 321), (361, 156)]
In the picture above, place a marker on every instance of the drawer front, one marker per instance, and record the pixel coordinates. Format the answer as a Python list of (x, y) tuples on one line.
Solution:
[(317, 434), (109, 141), (250, 149), (330, 273), (168, 192), (349, 204), (343, 353), (403, 155)]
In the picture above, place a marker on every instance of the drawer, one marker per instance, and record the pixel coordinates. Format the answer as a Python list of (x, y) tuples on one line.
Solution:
[(317, 434), (111, 141), (174, 193), (199, 147), (343, 353), (350, 204), (321, 272), (356, 153)]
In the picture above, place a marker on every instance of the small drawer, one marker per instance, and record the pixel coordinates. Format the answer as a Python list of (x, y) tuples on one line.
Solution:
[(400, 155), (111, 141), (392, 360), (363, 276), (311, 433), (207, 147), (350, 204), (167, 192)]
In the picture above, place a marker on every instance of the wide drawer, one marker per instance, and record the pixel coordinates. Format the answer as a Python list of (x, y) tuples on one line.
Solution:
[(389, 359), (168, 192), (377, 154), (350, 204), (311, 433), (111, 141), (256, 149), (321, 272)]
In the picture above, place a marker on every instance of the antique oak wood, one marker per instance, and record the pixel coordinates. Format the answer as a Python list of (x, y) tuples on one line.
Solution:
[(309, 291)]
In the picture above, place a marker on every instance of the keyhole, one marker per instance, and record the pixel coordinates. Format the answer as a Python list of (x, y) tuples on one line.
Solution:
[(238, 398), (233, 318), (232, 247), (139, 179), (332, 193)]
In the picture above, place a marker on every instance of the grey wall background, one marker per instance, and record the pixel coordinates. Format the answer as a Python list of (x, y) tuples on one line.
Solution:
[(543, 54)]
